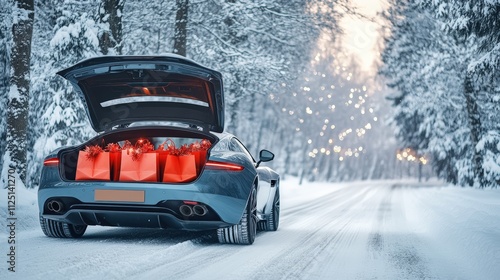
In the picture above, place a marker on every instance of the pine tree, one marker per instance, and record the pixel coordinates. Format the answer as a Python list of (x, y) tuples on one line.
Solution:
[(110, 14), (18, 96), (478, 21), (426, 66), (148, 27), (181, 21)]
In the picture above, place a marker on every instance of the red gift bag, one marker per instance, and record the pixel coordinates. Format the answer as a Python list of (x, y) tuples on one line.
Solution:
[(172, 170), (144, 168), (163, 151), (93, 164), (188, 167), (179, 168), (200, 158), (199, 150), (139, 163)]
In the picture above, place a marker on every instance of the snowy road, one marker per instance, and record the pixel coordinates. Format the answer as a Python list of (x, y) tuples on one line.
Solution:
[(364, 230)]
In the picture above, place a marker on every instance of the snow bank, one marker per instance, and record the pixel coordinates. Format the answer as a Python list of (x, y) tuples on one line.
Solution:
[(464, 223), (26, 210)]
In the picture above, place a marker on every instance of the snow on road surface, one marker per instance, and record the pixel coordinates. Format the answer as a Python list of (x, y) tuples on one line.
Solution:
[(361, 230)]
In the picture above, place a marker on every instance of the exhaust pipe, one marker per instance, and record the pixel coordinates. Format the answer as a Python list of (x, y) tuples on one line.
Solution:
[(55, 206), (200, 210), (186, 210)]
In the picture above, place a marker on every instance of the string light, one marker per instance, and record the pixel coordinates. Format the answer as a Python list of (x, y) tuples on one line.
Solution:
[(410, 155), (321, 114)]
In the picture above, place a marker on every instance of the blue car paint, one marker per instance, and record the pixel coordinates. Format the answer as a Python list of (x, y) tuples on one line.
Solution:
[(226, 196)]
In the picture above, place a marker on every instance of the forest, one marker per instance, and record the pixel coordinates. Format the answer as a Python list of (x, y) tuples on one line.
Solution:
[(429, 110)]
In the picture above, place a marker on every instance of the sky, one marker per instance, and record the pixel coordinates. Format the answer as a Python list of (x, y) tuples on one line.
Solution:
[(361, 35)]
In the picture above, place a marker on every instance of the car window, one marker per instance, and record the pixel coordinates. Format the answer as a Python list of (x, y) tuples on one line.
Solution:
[(241, 148)]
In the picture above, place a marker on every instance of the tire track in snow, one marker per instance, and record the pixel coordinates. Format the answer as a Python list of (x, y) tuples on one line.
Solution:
[(354, 232), (119, 260), (230, 256), (348, 248), (327, 232), (376, 239), (181, 267), (449, 223), (396, 249)]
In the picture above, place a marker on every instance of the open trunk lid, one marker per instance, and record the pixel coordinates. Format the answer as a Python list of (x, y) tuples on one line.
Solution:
[(125, 89)]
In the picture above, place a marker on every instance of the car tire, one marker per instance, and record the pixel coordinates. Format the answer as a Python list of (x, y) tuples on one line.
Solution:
[(57, 229), (273, 221), (243, 233)]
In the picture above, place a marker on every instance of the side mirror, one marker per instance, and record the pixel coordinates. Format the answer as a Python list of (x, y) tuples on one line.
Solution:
[(264, 156)]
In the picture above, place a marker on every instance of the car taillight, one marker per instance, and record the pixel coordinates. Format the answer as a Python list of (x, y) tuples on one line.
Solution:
[(51, 162), (217, 165)]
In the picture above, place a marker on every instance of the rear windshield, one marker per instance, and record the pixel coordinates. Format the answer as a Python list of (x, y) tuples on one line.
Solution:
[(130, 95), (142, 85)]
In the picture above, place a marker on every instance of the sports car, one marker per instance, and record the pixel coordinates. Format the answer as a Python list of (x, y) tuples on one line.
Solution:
[(160, 99)]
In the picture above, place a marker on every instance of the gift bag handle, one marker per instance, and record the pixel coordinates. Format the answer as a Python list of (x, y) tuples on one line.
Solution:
[(162, 145)]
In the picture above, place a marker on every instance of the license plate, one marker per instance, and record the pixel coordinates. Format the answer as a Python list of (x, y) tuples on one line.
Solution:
[(119, 195)]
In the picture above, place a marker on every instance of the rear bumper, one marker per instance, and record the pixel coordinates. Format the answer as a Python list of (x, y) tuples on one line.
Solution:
[(159, 208), (225, 194), (126, 216)]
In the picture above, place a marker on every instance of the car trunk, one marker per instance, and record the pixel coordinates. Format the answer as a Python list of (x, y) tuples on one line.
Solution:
[(71, 158)]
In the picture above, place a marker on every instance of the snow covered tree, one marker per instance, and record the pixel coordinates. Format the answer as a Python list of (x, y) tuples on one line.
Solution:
[(479, 21), (148, 27), (180, 34), (419, 60), (58, 117), (258, 46), (19, 88), (110, 39), (441, 105), (5, 39)]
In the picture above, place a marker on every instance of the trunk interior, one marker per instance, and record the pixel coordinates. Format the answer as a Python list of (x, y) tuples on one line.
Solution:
[(71, 158)]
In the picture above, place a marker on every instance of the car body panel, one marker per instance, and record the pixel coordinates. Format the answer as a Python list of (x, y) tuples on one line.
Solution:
[(268, 188), (226, 192), (228, 205), (124, 89), (267, 178)]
